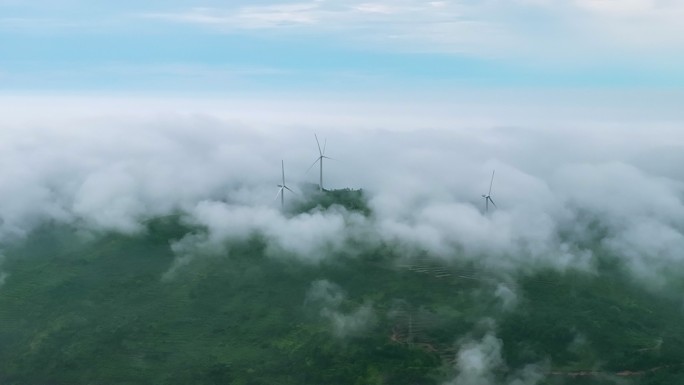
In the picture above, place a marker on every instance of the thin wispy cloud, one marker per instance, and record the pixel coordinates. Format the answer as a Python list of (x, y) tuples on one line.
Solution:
[(447, 26), (401, 43), (523, 30), (498, 28)]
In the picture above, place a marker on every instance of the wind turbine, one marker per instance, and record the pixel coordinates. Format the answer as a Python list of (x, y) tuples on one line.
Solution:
[(488, 197), (283, 187), (321, 155)]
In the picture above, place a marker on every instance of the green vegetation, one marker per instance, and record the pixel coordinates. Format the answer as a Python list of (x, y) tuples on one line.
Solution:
[(352, 200), (83, 310)]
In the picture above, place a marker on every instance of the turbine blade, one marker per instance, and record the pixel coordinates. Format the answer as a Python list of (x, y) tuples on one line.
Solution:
[(319, 145), (314, 163), (325, 144), (491, 183), (490, 199), (289, 189), (486, 205), (282, 163), (278, 194), (327, 157)]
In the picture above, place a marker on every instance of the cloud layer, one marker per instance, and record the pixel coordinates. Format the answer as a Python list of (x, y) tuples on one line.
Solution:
[(562, 194)]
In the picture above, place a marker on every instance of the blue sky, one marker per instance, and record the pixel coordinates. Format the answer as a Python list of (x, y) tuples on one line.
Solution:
[(340, 46)]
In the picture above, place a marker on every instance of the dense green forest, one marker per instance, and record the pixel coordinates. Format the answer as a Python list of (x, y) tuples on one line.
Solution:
[(80, 308)]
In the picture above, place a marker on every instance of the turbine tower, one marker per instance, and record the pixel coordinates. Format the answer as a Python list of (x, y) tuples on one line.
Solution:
[(319, 160), (488, 197), (283, 187)]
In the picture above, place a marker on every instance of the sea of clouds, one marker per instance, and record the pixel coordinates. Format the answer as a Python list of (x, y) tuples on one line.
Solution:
[(562, 189)]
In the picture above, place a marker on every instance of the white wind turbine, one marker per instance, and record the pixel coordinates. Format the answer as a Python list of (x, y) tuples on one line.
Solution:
[(488, 197), (321, 156), (283, 187)]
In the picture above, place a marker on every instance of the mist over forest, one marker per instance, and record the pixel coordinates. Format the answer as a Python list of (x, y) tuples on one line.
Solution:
[(149, 248)]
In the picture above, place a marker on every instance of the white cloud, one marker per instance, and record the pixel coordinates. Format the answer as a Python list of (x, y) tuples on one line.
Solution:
[(310, 236), (374, 8), (480, 362), (329, 296), (507, 296), (477, 360), (250, 17), (325, 293), (123, 161), (352, 323)]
